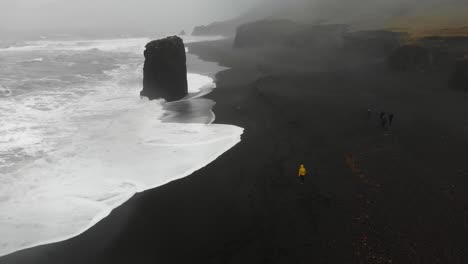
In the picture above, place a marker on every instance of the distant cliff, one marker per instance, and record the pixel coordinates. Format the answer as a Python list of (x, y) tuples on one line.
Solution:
[(429, 53), (165, 69), (266, 32), (440, 17), (221, 28), (228, 28), (338, 37), (316, 45), (411, 58)]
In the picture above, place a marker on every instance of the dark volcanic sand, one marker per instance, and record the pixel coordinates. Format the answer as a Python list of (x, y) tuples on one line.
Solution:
[(401, 198)]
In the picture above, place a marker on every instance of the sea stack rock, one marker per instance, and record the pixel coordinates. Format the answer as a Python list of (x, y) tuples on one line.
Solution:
[(165, 70)]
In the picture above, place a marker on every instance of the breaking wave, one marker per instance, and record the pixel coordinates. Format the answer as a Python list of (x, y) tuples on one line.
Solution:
[(73, 149)]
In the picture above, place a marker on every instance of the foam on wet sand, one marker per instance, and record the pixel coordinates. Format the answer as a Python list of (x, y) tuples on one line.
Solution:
[(92, 151)]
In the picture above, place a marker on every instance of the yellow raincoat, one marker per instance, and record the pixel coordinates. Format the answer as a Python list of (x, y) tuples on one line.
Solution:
[(302, 171)]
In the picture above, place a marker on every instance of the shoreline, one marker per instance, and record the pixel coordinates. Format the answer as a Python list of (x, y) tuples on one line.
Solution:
[(195, 108), (194, 219), (192, 117), (400, 188)]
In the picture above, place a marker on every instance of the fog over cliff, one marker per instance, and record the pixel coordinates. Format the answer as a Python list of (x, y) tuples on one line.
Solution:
[(373, 13)]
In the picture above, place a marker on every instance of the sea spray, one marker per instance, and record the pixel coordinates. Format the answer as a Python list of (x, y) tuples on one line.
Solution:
[(74, 148)]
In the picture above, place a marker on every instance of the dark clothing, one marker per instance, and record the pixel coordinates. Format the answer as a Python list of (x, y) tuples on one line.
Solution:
[(390, 120), (382, 115), (384, 122), (302, 179)]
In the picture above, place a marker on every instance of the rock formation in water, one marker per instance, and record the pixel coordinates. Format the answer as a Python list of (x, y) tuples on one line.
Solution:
[(411, 58), (182, 33), (459, 79), (165, 70)]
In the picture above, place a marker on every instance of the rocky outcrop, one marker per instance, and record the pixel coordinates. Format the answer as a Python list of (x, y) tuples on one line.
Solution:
[(264, 32), (411, 58), (374, 42), (445, 51), (165, 70), (220, 28), (459, 79), (286, 33)]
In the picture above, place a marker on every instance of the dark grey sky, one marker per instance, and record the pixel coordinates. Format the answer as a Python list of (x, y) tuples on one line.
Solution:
[(115, 15), (167, 16)]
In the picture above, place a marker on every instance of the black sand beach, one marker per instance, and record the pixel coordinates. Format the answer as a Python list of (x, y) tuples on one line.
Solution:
[(371, 196)]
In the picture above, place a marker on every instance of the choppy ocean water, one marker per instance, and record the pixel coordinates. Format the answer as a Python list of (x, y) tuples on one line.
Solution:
[(76, 140)]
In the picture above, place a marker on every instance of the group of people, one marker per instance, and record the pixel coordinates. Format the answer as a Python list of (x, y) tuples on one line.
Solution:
[(386, 119)]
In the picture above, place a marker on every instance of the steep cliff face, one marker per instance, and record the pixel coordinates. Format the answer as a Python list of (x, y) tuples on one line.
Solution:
[(265, 32), (374, 42), (228, 28), (411, 58), (289, 34), (165, 70), (430, 53), (219, 28)]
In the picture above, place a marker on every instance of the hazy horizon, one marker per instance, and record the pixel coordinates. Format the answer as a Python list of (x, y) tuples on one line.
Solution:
[(29, 17), (100, 18)]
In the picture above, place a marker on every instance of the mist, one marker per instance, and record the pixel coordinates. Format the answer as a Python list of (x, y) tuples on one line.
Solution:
[(129, 17), (110, 16), (364, 14)]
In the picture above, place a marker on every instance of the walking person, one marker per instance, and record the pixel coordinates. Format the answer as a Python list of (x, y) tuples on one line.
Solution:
[(382, 115), (383, 120), (302, 174), (390, 119)]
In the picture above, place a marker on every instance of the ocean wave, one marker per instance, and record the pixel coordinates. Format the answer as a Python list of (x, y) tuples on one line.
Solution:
[(35, 60), (89, 148), (121, 45), (199, 82), (134, 45), (4, 91)]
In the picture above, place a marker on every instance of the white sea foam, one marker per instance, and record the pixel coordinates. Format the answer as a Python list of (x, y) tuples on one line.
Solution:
[(131, 44), (109, 159), (35, 60), (81, 45), (199, 82), (70, 156)]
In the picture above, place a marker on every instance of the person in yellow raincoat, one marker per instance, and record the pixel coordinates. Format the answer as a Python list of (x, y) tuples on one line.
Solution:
[(302, 173)]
